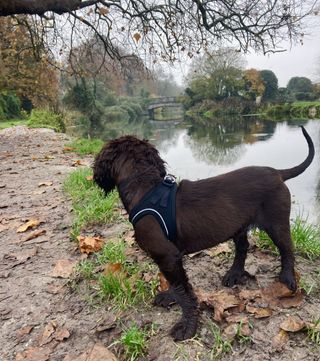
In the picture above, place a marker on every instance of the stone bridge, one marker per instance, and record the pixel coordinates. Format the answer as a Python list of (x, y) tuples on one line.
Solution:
[(164, 102)]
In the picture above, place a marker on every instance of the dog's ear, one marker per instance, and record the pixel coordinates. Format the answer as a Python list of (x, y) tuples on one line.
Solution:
[(102, 170)]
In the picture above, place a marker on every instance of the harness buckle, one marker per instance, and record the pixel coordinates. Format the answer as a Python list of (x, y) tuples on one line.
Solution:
[(169, 179)]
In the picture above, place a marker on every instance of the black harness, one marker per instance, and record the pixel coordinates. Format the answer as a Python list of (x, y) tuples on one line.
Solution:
[(159, 202)]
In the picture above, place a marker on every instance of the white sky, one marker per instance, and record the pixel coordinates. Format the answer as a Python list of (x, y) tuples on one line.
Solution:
[(300, 60)]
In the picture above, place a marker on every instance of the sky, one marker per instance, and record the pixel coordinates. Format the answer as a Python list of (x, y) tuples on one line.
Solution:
[(297, 60)]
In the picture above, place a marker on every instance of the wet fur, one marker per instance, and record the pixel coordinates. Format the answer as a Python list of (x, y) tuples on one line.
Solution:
[(209, 211)]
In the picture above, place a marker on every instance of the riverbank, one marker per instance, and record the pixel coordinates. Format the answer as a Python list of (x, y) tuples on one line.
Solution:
[(53, 308)]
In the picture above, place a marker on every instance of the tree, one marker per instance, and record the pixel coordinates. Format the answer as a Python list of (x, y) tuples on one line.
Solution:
[(271, 85), (164, 29), (217, 75), (299, 84), (254, 85), (22, 71)]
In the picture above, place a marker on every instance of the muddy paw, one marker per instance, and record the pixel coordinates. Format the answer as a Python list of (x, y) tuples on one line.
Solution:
[(164, 299), (184, 329), (289, 280), (232, 278)]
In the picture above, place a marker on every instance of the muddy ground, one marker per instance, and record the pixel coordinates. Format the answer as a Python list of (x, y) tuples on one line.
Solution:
[(44, 318)]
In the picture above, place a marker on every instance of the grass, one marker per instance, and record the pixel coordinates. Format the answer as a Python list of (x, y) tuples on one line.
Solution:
[(313, 332), (305, 236), (12, 123), (219, 346), (89, 203), (121, 285), (86, 146)]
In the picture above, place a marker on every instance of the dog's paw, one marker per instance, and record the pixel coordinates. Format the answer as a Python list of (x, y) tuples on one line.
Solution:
[(164, 299), (184, 329), (234, 277), (289, 280)]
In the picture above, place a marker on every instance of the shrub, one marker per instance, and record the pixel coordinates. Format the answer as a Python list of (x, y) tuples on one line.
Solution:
[(42, 118), (115, 113), (10, 106)]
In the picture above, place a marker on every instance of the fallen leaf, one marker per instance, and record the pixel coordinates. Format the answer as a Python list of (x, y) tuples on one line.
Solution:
[(103, 11), (22, 332), (30, 224), (112, 268), (280, 340), (259, 312), (61, 334), (230, 332), (221, 248), (47, 333), (237, 319), (34, 354), (90, 244), (45, 184), (68, 149), (89, 178), (76, 163), (137, 37), (54, 289), (164, 285), (34, 234), (96, 353), (295, 301), (220, 301), (129, 238), (63, 268), (292, 324), (249, 295)]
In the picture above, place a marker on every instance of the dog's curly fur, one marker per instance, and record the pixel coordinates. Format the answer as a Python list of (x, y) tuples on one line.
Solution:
[(208, 211)]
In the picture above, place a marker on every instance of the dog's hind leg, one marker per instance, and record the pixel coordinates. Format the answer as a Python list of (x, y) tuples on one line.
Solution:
[(280, 235), (237, 272)]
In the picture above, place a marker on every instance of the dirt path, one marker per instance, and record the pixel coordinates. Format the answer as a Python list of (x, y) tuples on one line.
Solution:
[(33, 303), (41, 319)]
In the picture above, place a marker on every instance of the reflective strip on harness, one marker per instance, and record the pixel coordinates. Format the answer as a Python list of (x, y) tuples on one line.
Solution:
[(151, 210)]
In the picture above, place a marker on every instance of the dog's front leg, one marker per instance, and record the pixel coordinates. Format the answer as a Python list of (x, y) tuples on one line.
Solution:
[(169, 259)]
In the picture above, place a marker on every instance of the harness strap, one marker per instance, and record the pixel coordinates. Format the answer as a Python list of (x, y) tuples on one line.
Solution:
[(160, 202)]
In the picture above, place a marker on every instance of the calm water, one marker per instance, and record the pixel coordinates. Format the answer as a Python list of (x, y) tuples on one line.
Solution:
[(204, 150)]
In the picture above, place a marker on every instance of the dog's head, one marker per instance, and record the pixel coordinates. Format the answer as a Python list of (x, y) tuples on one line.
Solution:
[(119, 158)]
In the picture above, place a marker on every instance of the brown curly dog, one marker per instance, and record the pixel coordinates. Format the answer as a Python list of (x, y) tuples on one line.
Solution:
[(208, 212)]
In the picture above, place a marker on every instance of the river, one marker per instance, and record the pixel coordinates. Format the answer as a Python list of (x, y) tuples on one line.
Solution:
[(203, 149)]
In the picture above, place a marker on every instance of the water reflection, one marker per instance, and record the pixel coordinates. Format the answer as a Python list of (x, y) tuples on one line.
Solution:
[(202, 149)]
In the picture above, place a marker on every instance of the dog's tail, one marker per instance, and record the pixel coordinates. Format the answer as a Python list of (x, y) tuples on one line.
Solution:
[(295, 171)]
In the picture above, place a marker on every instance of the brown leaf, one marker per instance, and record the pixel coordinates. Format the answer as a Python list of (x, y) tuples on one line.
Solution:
[(237, 319), (30, 224), (34, 234), (47, 333), (103, 11), (22, 332), (68, 149), (294, 301), (221, 248), (89, 178), (292, 324), (230, 332), (112, 268), (54, 289), (61, 334), (137, 37), (34, 354), (45, 184), (76, 163), (129, 238), (107, 323), (249, 294), (280, 340), (63, 268), (164, 285), (220, 301), (259, 312), (96, 353), (90, 244)]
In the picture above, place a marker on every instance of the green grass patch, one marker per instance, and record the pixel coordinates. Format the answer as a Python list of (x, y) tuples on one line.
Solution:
[(89, 203), (134, 342), (86, 146), (12, 123), (305, 236), (219, 345), (313, 332), (123, 285)]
